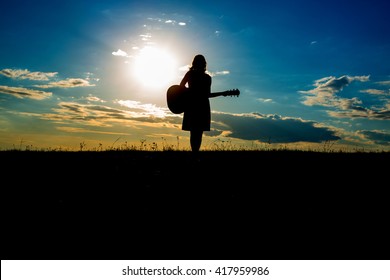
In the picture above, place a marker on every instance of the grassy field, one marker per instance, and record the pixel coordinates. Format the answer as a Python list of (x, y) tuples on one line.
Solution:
[(90, 204)]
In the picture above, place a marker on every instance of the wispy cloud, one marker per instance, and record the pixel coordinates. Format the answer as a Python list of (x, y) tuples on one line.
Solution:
[(363, 113), (219, 73), (326, 94), (376, 136), (105, 116), (169, 20), (67, 83), (184, 67), (265, 100), (146, 37), (84, 130), (147, 109), (94, 99), (20, 92), (119, 52), (24, 74), (174, 22), (376, 91), (384, 83)]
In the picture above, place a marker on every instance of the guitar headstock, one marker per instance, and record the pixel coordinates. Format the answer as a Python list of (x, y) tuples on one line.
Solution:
[(232, 92)]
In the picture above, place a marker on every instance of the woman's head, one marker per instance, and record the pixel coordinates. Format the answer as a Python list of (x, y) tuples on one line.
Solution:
[(199, 63)]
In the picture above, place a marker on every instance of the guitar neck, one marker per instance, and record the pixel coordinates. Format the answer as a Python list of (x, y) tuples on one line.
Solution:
[(225, 93), (216, 94)]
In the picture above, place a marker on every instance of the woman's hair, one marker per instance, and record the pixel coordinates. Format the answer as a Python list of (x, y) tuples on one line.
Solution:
[(199, 63)]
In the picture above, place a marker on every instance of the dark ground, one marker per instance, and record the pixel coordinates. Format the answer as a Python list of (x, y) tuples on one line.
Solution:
[(166, 205)]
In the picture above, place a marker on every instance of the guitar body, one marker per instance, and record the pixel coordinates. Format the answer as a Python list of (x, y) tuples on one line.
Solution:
[(177, 97)]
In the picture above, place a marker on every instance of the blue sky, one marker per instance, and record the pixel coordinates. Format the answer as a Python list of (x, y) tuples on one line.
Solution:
[(310, 73)]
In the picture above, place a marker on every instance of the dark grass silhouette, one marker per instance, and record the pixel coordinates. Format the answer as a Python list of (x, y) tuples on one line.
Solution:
[(228, 204)]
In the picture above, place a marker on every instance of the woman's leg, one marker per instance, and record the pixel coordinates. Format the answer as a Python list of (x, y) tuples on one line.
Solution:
[(196, 139)]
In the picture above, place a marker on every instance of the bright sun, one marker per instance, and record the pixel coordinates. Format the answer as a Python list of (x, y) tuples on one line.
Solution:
[(154, 67)]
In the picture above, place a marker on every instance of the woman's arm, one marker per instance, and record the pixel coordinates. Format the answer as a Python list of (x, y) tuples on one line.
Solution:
[(184, 80)]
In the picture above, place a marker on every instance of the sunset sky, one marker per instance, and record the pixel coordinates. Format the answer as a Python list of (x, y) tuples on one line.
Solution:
[(95, 73)]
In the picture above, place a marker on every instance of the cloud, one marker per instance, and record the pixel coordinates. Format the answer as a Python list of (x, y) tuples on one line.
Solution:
[(27, 75), (387, 105), (219, 73), (119, 52), (362, 113), (105, 116), (151, 109), (384, 83), (22, 93), (376, 91), (325, 94), (145, 37), (265, 100), (273, 128), (94, 99), (170, 20), (184, 68), (174, 22), (68, 83), (254, 126), (83, 130), (377, 136)]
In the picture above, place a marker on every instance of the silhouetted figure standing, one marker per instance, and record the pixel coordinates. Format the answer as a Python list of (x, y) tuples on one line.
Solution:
[(197, 116)]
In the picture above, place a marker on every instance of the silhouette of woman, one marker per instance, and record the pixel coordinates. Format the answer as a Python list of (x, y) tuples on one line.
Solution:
[(197, 116)]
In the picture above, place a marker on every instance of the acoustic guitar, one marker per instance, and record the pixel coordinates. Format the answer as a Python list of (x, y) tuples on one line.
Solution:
[(177, 97)]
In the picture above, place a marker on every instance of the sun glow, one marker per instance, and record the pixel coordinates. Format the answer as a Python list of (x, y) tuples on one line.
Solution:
[(154, 67)]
